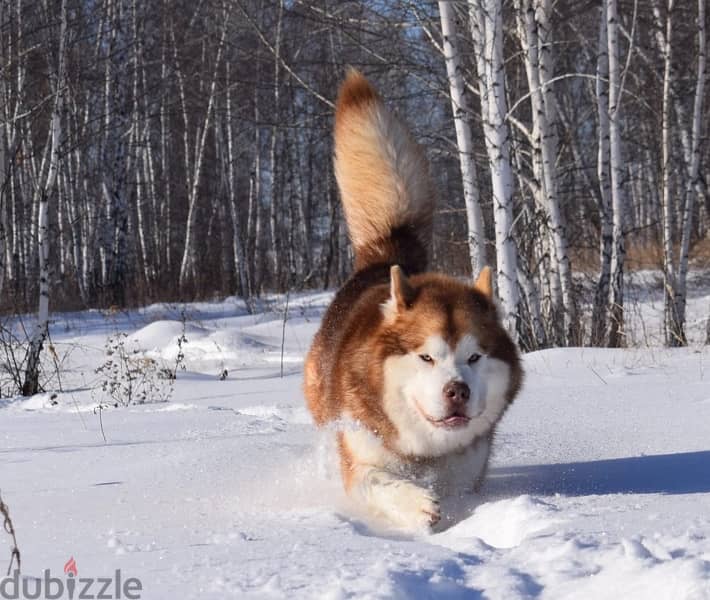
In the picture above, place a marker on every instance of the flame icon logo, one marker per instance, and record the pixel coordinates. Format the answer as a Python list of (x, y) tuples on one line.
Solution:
[(70, 567)]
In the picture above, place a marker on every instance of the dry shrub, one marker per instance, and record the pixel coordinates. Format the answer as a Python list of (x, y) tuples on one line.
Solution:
[(700, 253), (9, 528), (640, 256), (585, 260)]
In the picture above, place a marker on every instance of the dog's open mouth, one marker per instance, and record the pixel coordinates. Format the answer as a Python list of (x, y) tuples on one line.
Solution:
[(453, 421)]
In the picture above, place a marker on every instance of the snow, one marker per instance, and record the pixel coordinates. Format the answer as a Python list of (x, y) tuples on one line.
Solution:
[(599, 485)]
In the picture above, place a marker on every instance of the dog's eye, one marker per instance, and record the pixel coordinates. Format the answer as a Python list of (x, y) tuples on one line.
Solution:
[(426, 358), (474, 358)]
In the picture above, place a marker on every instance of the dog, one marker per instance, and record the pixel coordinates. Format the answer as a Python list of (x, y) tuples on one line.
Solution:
[(413, 368)]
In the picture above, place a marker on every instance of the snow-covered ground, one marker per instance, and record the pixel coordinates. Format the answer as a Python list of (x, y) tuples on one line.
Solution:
[(599, 486)]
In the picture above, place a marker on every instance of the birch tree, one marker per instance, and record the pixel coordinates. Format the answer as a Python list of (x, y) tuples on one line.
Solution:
[(535, 37), (486, 18), (616, 170), (3, 209), (674, 334), (601, 294), (675, 276), (30, 385), (170, 158), (693, 186), (187, 265), (464, 137), (237, 244), (274, 171)]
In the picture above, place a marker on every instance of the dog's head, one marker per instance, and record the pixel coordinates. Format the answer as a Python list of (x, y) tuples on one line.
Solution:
[(449, 367)]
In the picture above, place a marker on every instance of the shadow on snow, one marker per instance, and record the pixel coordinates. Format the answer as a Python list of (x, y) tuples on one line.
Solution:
[(682, 473)]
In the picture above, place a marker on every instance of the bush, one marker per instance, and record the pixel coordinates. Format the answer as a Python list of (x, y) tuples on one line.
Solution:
[(128, 377)]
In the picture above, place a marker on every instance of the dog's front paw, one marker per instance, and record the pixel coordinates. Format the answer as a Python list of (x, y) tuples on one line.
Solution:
[(413, 507)]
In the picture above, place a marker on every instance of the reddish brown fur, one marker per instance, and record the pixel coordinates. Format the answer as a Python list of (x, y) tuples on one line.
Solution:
[(354, 94), (382, 177), (347, 463), (344, 368)]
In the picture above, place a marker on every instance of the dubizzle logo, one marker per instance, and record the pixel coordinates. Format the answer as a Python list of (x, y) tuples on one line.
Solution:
[(70, 567), (72, 587)]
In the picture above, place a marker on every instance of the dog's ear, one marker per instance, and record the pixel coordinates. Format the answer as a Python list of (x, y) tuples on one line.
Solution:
[(484, 283), (401, 294)]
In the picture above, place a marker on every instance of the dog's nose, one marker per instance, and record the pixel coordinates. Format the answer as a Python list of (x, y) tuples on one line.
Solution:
[(457, 392)]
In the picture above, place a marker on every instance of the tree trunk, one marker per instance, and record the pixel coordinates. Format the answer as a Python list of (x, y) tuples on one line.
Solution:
[(274, 252), (534, 31), (464, 138), (30, 385), (601, 295), (618, 201), (673, 329), (487, 32), (3, 202), (237, 245), (188, 258), (692, 184)]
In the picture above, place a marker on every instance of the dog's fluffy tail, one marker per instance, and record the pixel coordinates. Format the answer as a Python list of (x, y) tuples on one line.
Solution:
[(383, 178)]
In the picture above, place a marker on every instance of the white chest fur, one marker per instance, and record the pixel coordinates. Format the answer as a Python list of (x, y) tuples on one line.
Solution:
[(409, 494)]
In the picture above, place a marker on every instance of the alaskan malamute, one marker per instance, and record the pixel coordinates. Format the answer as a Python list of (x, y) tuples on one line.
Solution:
[(417, 364)]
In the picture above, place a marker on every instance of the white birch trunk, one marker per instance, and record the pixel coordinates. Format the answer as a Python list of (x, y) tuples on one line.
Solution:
[(139, 138), (599, 311), (671, 325), (618, 202), (30, 385), (254, 217), (694, 170), (464, 138), (9, 230), (675, 276), (3, 202), (75, 223), (534, 31), (549, 145), (276, 259), (188, 259), (487, 31), (237, 246), (692, 152), (141, 202), (165, 214)]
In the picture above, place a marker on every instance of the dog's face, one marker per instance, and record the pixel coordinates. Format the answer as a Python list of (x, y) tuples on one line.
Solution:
[(449, 368)]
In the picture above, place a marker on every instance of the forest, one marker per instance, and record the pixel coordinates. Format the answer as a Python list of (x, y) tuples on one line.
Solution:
[(169, 151)]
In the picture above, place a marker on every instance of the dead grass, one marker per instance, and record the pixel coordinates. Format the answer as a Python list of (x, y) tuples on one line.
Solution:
[(640, 256), (10, 530), (700, 253)]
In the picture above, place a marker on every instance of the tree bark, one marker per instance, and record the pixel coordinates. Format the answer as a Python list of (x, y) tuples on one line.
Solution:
[(30, 385), (601, 295), (464, 137), (487, 32), (237, 245), (618, 200), (693, 186), (188, 258), (534, 31)]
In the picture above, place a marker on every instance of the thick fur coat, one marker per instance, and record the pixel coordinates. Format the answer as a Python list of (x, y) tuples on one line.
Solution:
[(415, 366)]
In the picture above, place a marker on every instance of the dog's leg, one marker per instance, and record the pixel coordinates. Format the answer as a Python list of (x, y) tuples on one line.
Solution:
[(463, 473), (369, 481), (479, 461), (400, 500)]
